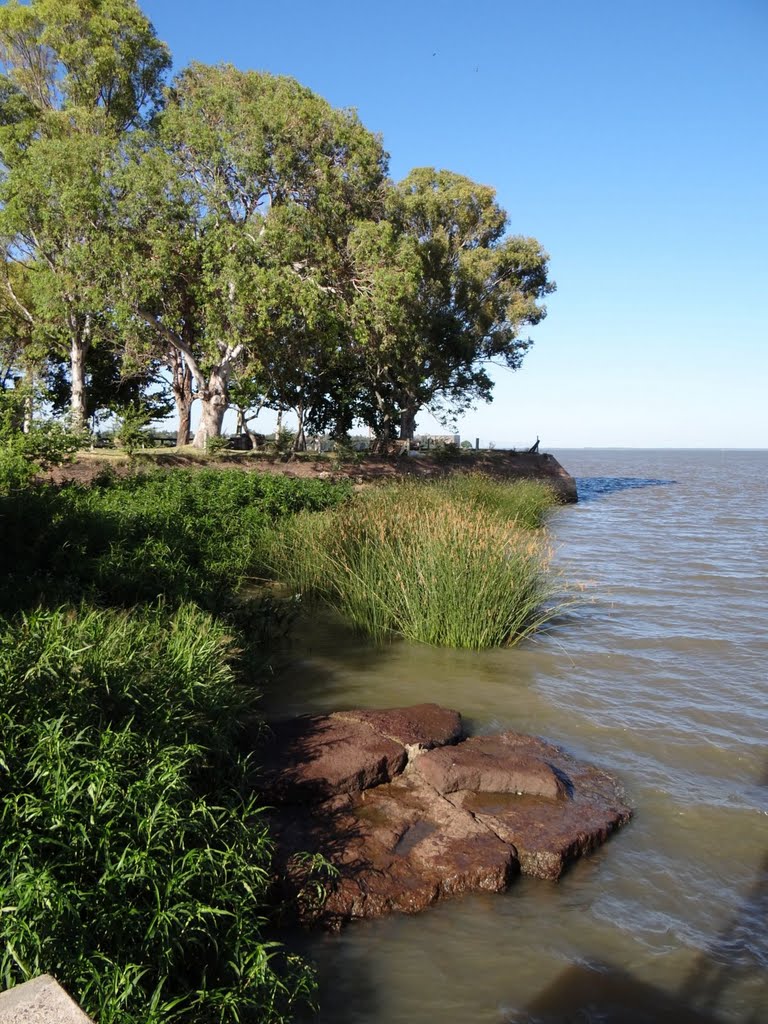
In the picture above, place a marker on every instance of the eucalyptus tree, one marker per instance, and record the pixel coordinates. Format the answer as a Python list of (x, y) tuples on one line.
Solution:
[(78, 75), (235, 222), (440, 292)]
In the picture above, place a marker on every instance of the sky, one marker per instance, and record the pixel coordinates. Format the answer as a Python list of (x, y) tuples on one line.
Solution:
[(629, 138)]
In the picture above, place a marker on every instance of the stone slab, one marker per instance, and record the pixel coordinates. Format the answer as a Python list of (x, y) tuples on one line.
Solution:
[(419, 727), (489, 764), (315, 757), (40, 1001), (547, 836)]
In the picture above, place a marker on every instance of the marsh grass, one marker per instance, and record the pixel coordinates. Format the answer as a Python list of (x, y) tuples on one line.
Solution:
[(453, 564), (135, 861)]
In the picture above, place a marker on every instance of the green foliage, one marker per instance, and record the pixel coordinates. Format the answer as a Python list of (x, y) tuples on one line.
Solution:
[(439, 292), (131, 433), (134, 863), (238, 270), (77, 75), (449, 564), (47, 443), (181, 535), (216, 445), (525, 503), (284, 441), (69, 54)]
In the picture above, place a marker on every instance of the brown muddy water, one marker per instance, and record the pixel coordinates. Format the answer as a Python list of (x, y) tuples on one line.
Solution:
[(659, 676)]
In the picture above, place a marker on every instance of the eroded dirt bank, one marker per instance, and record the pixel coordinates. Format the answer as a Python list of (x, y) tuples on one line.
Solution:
[(364, 469)]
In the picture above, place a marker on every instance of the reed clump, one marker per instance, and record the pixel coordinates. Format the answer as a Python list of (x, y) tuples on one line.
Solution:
[(452, 564)]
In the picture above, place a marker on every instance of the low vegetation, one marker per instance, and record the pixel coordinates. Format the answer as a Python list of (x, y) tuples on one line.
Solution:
[(453, 563), (134, 860), (184, 535)]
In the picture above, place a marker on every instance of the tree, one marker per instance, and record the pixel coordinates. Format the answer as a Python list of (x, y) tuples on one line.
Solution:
[(78, 75), (439, 292), (244, 205)]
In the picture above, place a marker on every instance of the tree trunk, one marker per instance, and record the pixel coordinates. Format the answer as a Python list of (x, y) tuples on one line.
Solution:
[(77, 352), (408, 422), (183, 395), (214, 402), (29, 407), (184, 412), (300, 444)]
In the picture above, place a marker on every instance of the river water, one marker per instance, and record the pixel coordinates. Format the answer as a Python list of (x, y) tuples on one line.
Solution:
[(658, 675)]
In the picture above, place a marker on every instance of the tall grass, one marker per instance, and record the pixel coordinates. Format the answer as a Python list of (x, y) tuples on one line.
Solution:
[(134, 863), (453, 564)]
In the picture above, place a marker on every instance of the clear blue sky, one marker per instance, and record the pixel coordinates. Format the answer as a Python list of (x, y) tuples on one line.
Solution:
[(629, 138)]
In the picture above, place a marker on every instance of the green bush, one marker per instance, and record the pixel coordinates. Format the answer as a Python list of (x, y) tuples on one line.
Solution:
[(132, 432), (134, 863), (46, 444), (452, 564), (524, 502), (183, 535)]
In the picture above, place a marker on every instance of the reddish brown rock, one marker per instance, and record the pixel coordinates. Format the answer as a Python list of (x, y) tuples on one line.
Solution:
[(462, 818), (547, 838), (488, 764), (420, 727), (316, 757), (397, 847)]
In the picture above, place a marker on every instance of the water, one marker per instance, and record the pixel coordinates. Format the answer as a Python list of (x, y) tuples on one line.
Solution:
[(659, 676)]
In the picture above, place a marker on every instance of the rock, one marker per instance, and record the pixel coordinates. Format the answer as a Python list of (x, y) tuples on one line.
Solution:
[(408, 814), (316, 757), (546, 839), (488, 764), (398, 847), (418, 728)]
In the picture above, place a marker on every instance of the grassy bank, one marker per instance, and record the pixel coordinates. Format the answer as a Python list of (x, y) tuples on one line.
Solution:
[(455, 563), (134, 861)]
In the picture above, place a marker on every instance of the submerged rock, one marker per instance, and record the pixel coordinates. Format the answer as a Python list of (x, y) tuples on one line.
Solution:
[(409, 813)]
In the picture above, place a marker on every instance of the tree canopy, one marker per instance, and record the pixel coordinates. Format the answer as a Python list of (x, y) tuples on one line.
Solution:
[(235, 228)]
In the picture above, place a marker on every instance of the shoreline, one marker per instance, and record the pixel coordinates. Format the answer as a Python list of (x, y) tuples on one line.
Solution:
[(360, 470)]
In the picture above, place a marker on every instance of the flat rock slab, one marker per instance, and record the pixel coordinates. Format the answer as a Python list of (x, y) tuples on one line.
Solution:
[(420, 727), (547, 836), (40, 1001), (404, 825), (316, 757), (492, 764)]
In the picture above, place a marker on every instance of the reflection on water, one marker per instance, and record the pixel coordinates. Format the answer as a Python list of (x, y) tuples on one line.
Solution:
[(659, 677)]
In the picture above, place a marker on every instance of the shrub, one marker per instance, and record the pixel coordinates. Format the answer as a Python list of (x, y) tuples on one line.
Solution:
[(524, 502), (46, 444), (438, 564), (132, 433), (134, 863), (183, 535)]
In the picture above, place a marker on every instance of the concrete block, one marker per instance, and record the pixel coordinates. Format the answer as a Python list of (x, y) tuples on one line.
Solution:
[(40, 1001)]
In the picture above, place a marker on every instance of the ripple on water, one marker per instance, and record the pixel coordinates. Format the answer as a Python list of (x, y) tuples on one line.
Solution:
[(660, 679)]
